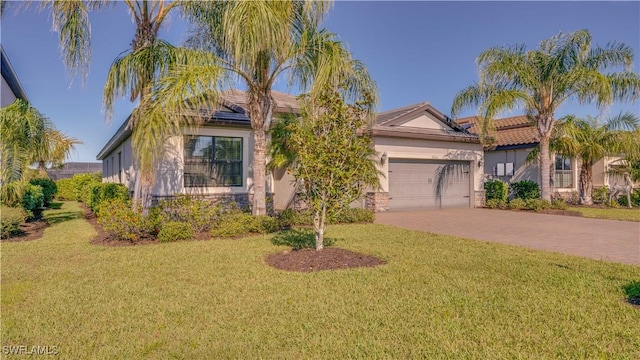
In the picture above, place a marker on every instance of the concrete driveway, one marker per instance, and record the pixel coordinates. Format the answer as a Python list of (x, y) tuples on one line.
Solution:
[(610, 240)]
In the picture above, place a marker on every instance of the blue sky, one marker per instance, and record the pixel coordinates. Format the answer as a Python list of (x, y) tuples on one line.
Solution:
[(416, 51)]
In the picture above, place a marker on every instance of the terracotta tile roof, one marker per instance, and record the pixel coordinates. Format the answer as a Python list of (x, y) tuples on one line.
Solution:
[(393, 114), (284, 102), (515, 130)]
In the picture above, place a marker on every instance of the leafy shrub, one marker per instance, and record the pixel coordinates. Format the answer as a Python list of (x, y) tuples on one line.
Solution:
[(82, 184), (352, 215), (10, 220), (538, 204), (495, 189), (632, 290), (49, 189), (235, 223), (33, 200), (635, 199), (174, 231), (299, 239), (11, 193), (517, 204), (496, 204), (600, 195), (122, 223), (525, 190), (559, 204), (200, 214), (99, 192), (66, 189)]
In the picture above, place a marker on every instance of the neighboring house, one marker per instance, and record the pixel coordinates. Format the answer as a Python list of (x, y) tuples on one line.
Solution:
[(429, 161), (506, 158), (67, 170), (11, 87)]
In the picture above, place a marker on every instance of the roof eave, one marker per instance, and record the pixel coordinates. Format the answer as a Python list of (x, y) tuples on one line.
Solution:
[(10, 76), (424, 136)]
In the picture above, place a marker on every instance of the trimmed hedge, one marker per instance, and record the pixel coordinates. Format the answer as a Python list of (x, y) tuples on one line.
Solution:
[(236, 223), (100, 192)]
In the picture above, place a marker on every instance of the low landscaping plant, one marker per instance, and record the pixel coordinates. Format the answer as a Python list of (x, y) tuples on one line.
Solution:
[(174, 231), (538, 204), (517, 204), (199, 213), (352, 216), (559, 204), (496, 204), (10, 220), (496, 190), (600, 195), (635, 199), (121, 222), (525, 190), (236, 223)]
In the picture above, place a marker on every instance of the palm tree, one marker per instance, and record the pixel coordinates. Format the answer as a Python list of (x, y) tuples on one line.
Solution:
[(131, 74), (540, 81), (29, 138), (589, 141), (254, 43)]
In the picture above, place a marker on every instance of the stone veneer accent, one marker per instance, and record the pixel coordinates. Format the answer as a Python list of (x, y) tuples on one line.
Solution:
[(479, 199), (377, 201), (243, 200)]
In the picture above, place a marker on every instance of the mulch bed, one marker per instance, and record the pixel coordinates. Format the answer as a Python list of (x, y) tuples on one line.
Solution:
[(32, 230), (635, 301), (307, 260)]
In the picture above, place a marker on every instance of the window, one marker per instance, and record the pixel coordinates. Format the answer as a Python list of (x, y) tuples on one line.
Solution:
[(564, 174), (211, 161)]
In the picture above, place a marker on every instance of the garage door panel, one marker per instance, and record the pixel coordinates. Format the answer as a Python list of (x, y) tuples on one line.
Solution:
[(415, 183)]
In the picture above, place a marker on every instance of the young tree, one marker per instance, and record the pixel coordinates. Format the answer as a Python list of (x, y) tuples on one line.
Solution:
[(564, 67), (253, 44), (333, 163), (589, 141)]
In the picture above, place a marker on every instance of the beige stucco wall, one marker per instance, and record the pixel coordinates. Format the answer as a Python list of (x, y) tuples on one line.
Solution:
[(6, 95), (169, 177), (425, 122), (430, 149), (124, 172)]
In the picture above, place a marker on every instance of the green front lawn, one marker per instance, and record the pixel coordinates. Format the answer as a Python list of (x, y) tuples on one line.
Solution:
[(437, 297), (624, 214)]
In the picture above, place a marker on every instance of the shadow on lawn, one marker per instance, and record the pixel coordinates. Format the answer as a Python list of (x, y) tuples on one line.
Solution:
[(299, 239), (59, 217), (632, 290)]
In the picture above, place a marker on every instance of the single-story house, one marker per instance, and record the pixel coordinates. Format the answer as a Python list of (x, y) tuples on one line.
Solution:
[(515, 137), (429, 160), (11, 87)]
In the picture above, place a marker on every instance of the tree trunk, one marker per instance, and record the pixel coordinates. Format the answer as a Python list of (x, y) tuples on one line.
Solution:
[(586, 183), (259, 172), (545, 163), (319, 224)]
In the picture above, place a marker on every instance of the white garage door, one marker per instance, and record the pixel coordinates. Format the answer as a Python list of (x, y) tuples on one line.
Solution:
[(428, 184)]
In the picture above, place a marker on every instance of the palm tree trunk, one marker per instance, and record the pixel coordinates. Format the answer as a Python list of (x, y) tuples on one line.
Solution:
[(545, 163), (586, 183), (259, 171)]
